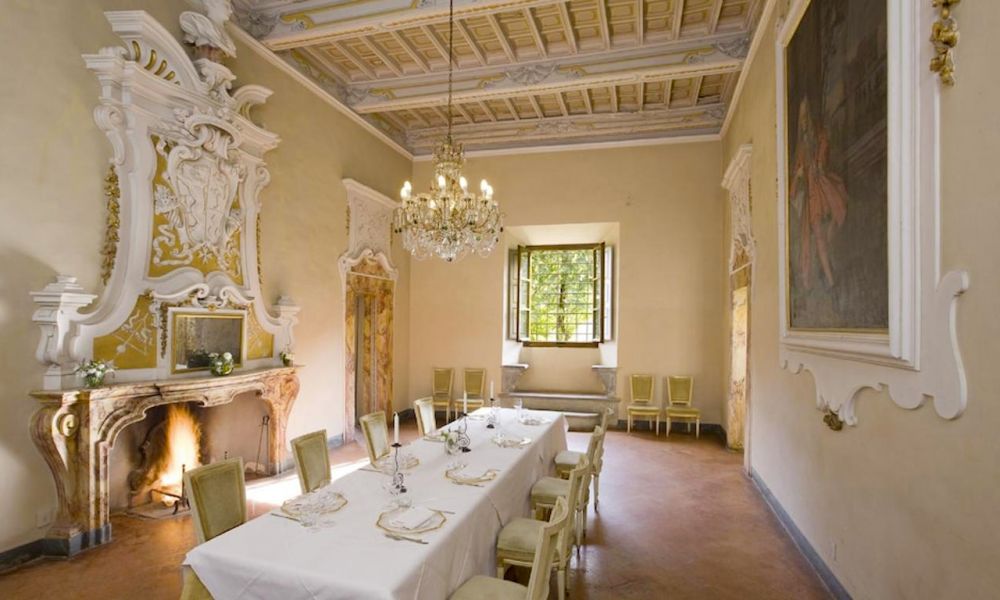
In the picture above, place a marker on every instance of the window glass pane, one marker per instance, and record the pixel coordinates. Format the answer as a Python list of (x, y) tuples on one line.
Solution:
[(563, 297)]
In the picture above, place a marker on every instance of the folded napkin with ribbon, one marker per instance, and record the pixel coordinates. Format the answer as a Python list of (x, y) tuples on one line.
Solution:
[(414, 517)]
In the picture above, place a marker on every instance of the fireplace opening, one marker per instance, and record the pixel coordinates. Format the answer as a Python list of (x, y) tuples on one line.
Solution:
[(169, 448)]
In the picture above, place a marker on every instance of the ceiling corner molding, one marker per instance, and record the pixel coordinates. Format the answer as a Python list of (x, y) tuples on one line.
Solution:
[(758, 38), (275, 60)]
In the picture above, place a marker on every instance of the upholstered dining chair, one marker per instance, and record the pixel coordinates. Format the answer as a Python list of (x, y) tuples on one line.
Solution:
[(547, 489), (376, 435), (441, 391), (567, 460), (312, 460), (643, 406), (475, 388), (516, 542), (481, 587), (680, 391), (218, 497), (424, 411)]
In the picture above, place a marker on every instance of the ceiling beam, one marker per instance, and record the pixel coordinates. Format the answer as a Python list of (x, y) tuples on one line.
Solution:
[(536, 106), (512, 109), (676, 20), (602, 15), (696, 90), (300, 25), (641, 95), (465, 113), (667, 91), (356, 60), (436, 42), (640, 22), (587, 101), (614, 98), (419, 117), (489, 111), (327, 63), (714, 14), (568, 30), (471, 41), (562, 104), (411, 51), (473, 90), (502, 38), (529, 17), (382, 56)]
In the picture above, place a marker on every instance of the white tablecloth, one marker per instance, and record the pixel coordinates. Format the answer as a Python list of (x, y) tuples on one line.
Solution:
[(270, 557)]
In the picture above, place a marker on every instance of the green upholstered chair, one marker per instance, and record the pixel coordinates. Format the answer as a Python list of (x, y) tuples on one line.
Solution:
[(680, 391), (441, 390), (217, 493), (517, 540), (643, 406), (424, 411), (481, 587), (312, 460), (376, 435), (475, 388)]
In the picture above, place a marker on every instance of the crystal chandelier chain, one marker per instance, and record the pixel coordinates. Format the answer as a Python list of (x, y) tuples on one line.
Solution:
[(448, 221)]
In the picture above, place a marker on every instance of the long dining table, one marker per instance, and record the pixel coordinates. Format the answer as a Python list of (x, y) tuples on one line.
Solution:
[(271, 557)]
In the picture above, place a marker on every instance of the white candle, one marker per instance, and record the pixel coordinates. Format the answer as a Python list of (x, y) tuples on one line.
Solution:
[(465, 403), (395, 428), (491, 389)]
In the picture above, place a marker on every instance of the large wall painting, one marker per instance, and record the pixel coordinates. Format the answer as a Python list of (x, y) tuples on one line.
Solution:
[(837, 184)]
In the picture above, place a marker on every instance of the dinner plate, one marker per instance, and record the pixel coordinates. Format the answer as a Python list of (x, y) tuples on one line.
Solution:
[(436, 521), (387, 464), (511, 442), (456, 474), (317, 502)]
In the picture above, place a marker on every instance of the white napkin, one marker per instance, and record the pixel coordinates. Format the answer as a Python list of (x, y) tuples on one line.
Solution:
[(412, 518)]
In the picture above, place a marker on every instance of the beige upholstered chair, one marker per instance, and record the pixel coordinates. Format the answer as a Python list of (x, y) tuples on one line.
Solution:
[(475, 388), (312, 460), (567, 460), (643, 406), (481, 587), (376, 435), (680, 390), (547, 489), (218, 497), (441, 391), (516, 543), (424, 411)]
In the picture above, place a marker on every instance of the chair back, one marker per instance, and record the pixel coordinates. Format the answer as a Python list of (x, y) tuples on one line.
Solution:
[(679, 390), (442, 383), (598, 460), (606, 417), (541, 571), (475, 383), (579, 479), (642, 388), (218, 497), (424, 410), (376, 435), (312, 460)]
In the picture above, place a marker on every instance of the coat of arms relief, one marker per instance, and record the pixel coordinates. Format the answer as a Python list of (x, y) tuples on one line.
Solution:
[(197, 214)]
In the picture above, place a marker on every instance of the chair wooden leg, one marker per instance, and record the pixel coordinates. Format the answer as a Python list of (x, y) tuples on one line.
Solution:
[(689, 426), (561, 577), (501, 570), (629, 423), (697, 429), (597, 488), (668, 425)]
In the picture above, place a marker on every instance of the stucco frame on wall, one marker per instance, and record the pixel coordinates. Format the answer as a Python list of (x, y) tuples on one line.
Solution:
[(918, 358)]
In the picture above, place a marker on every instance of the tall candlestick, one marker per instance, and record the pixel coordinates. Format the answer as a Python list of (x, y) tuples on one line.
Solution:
[(491, 389), (395, 428), (465, 403)]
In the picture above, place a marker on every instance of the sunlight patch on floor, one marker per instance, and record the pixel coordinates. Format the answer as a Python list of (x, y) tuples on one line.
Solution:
[(275, 490)]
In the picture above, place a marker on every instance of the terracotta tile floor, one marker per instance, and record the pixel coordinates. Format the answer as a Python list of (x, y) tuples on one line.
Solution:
[(678, 519)]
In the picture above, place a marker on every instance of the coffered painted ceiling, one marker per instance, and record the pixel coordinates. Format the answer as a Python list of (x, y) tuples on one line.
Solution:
[(527, 72)]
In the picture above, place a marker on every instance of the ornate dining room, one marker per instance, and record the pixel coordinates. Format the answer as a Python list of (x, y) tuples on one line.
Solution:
[(499, 299)]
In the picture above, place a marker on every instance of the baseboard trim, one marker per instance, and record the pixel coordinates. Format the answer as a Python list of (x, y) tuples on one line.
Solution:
[(829, 580), (19, 555)]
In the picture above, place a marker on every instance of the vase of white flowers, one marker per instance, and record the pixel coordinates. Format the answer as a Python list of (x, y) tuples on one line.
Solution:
[(221, 364), (451, 442), (93, 372), (287, 357)]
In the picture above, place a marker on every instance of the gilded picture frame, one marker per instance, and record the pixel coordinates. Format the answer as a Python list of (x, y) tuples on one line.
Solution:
[(197, 334)]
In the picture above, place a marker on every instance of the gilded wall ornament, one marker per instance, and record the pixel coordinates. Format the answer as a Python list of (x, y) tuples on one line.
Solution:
[(944, 36), (110, 249)]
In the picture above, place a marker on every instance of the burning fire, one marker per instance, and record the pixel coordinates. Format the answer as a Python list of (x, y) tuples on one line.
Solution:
[(183, 446)]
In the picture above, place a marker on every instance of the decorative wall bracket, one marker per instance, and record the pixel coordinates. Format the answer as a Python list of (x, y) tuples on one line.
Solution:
[(918, 359), (944, 37), (183, 204)]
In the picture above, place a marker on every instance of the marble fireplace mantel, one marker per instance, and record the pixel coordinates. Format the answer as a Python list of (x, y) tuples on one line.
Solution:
[(76, 429)]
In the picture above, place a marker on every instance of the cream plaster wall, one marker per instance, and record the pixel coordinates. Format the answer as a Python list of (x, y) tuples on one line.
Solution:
[(52, 164), (905, 504), (666, 202)]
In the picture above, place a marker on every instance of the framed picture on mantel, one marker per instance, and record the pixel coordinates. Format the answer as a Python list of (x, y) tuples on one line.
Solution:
[(197, 335)]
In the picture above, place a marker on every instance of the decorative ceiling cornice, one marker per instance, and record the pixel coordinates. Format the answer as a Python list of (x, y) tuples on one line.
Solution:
[(526, 71)]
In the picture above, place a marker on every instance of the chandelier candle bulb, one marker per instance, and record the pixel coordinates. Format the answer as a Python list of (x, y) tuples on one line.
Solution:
[(465, 403), (395, 428)]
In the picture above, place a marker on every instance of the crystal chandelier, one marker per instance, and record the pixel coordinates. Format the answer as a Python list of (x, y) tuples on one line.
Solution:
[(449, 221)]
